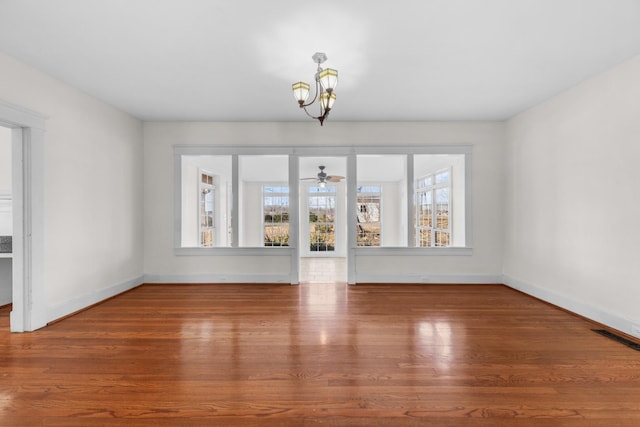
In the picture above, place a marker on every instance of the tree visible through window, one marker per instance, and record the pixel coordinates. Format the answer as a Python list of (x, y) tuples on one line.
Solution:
[(368, 215), (275, 210), (322, 210)]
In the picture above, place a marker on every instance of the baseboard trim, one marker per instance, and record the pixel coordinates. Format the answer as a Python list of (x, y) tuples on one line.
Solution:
[(565, 302), (428, 278), (282, 278), (573, 305), (78, 304), (217, 278)]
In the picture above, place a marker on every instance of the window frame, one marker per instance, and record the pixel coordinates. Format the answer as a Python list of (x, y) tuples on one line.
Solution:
[(411, 249), (264, 223), (350, 152), (329, 191), (380, 221), (180, 150), (433, 188), (213, 189)]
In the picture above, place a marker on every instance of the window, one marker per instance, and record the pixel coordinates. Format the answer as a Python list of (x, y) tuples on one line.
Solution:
[(322, 208), (433, 207), (206, 197), (264, 200), (381, 200), (275, 213), (368, 215), (206, 212), (440, 200), (231, 198)]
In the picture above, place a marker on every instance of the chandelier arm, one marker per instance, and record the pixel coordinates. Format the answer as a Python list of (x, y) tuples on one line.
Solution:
[(321, 117), (304, 107)]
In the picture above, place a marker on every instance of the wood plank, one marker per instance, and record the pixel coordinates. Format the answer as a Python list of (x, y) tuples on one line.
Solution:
[(256, 354)]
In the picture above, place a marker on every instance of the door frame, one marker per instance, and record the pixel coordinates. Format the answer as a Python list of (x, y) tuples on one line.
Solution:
[(350, 189), (28, 128), (339, 223)]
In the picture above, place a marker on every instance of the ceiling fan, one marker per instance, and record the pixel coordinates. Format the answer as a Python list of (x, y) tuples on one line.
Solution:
[(322, 178)]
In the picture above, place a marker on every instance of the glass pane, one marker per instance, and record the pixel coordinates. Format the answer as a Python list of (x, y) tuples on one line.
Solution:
[(206, 238), (424, 237), (272, 189), (442, 208), (442, 238), (276, 216), (425, 209), (321, 219), (368, 234), (448, 190), (207, 192), (276, 234), (368, 215), (442, 177), (442, 196)]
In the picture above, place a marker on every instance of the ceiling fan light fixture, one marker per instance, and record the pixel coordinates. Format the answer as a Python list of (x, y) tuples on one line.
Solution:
[(326, 80), (322, 178)]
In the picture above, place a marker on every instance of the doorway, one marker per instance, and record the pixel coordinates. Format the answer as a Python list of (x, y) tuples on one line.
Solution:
[(6, 218), (27, 128), (323, 224)]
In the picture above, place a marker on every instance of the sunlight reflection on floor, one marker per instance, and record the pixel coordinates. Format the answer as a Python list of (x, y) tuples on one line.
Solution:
[(319, 270)]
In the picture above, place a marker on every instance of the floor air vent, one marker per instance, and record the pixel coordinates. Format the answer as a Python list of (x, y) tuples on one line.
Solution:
[(615, 337)]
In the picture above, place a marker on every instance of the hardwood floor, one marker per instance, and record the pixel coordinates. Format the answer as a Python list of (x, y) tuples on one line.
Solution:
[(318, 354)]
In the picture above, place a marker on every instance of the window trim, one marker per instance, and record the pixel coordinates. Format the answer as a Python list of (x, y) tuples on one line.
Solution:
[(213, 189), (279, 194), (433, 188), (306, 248), (380, 210), (294, 152)]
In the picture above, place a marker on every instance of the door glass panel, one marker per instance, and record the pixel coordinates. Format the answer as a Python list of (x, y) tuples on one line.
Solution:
[(322, 209)]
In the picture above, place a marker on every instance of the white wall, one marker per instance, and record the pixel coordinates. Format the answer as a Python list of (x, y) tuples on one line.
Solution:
[(190, 200), (93, 189), (572, 206), (393, 213), (250, 229), (487, 139)]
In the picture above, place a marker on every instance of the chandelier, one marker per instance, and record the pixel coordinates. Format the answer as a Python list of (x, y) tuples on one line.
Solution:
[(326, 81)]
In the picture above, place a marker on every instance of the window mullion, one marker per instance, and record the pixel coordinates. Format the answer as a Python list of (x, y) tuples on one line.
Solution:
[(235, 206), (411, 198)]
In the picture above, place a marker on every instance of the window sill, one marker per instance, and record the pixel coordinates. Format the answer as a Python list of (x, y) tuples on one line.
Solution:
[(402, 251), (271, 251), (288, 251)]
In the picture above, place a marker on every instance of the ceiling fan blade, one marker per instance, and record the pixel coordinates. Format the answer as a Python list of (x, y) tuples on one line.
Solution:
[(308, 179), (335, 178)]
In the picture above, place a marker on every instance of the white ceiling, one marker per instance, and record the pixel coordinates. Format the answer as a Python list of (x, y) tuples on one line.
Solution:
[(232, 60)]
